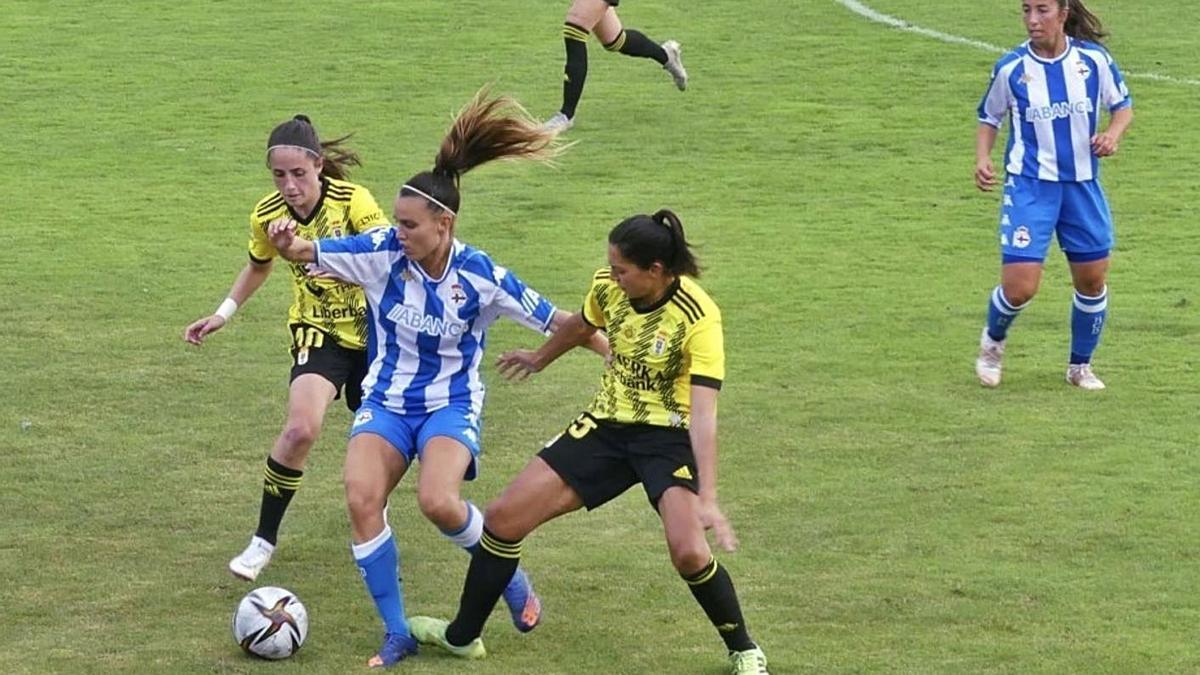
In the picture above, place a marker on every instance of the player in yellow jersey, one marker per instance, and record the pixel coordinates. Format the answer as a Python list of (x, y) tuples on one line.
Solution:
[(600, 17), (327, 319), (653, 422)]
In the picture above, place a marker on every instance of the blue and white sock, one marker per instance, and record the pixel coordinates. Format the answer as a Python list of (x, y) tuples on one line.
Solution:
[(1088, 315), (379, 562), (1001, 314), (467, 536)]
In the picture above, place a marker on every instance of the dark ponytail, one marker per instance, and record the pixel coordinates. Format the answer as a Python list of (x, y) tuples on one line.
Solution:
[(645, 240), (484, 130), (1081, 23), (299, 132)]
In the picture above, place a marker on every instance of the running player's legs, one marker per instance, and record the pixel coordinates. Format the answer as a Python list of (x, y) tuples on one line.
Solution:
[(666, 465), (587, 13), (545, 489), (1085, 232), (309, 396), (1028, 216), (373, 468)]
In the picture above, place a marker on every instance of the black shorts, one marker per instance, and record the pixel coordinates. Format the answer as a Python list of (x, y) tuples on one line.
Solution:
[(601, 459), (315, 351), (613, 3)]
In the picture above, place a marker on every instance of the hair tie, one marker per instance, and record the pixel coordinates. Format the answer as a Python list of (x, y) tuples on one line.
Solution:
[(303, 118)]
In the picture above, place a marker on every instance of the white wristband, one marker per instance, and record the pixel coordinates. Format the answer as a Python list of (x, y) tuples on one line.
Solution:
[(227, 308)]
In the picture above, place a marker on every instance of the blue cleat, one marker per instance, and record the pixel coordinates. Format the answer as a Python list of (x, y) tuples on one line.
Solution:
[(396, 647), (523, 603)]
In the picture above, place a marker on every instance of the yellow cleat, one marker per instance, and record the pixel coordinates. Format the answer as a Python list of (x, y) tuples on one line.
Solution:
[(430, 631), (749, 662)]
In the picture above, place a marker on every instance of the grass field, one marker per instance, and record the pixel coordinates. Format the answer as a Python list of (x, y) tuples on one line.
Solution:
[(894, 516)]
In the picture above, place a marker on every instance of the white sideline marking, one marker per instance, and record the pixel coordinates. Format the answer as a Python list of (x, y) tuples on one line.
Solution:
[(888, 20)]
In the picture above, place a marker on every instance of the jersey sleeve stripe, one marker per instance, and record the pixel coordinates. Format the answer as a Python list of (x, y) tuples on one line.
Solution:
[(260, 261), (687, 311), (703, 381), (690, 301), (270, 205)]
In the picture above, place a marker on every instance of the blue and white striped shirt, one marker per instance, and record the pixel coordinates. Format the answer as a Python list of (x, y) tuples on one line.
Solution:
[(1054, 108), (425, 337)]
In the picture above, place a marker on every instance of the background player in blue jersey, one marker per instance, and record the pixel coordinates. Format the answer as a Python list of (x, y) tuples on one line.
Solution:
[(430, 300), (600, 16), (1052, 88)]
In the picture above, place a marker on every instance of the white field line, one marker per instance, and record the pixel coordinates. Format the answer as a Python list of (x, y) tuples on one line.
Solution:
[(887, 20)]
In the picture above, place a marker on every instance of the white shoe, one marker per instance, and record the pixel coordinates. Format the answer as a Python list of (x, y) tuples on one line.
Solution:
[(749, 662), (990, 361), (675, 64), (250, 562), (1081, 375), (558, 124)]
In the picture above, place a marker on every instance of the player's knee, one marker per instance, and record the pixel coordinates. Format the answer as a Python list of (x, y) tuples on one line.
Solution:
[(299, 435), (689, 556), (362, 501), (500, 519), (440, 507), (1090, 287), (1019, 294)]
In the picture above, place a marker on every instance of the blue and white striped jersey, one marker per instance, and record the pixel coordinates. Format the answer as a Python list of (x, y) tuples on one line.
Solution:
[(425, 337), (1054, 108)]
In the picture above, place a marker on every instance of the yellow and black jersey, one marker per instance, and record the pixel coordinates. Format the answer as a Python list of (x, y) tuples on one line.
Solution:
[(658, 352), (335, 308)]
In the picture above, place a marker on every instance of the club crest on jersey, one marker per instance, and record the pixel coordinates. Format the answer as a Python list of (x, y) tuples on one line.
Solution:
[(1021, 238), (1025, 78), (660, 344), (1083, 70), (457, 296), (362, 417), (407, 276)]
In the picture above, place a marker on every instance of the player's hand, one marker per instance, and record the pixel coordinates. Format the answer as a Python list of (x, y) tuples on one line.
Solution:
[(317, 273), (985, 175), (198, 330), (712, 519), (518, 364), (1104, 144), (281, 232)]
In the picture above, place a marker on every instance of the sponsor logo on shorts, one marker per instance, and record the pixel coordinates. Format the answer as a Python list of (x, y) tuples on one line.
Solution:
[(683, 472), (302, 356)]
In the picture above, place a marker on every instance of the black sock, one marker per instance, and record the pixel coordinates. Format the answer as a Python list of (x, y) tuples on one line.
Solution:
[(279, 484), (575, 72), (635, 43), (492, 566), (713, 589)]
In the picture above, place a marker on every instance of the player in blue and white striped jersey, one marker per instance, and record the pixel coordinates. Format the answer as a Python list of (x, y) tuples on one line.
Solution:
[(1052, 89), (430, 299)]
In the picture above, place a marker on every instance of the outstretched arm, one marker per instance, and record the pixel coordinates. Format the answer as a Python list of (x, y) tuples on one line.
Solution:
[(598, 342), (521, 363)]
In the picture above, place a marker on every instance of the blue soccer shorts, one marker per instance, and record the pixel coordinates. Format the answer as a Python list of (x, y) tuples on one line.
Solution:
[(409, 434), (1034, 210)]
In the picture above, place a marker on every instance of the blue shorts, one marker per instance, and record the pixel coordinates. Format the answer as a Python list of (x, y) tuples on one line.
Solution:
[(409, 434), (1033, 210)]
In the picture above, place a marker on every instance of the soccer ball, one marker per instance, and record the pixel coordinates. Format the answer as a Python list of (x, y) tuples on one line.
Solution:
[(270, 622)]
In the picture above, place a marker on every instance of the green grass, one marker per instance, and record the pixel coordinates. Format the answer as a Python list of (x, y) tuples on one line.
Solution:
[(894, 517)]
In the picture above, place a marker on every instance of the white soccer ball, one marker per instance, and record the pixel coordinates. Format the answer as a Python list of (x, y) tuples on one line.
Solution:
[(270, 622)]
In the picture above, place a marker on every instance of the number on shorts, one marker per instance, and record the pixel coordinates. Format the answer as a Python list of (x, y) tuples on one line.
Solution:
[(581, 426), (306, 336)]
